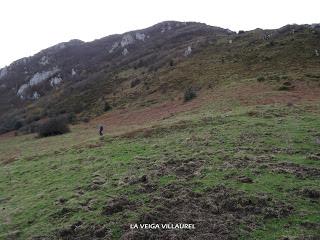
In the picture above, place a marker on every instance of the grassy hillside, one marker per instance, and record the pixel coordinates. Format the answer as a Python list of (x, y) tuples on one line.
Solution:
[(156, 70), (241, 161)]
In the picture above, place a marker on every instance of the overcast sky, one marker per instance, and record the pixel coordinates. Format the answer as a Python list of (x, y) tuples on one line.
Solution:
[(28, 26)]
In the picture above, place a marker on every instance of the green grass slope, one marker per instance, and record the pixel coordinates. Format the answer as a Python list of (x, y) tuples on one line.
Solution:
[(236, 171)]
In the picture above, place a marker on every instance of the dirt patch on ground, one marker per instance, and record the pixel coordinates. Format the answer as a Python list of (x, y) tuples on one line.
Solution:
[(63, 212), (147, 188), (182, 166), (135, 180), (263, 94), (247, 161), (79, 231), (12, 235), (244, 179), (88, 204), (269, 113), (9, 160), (7, 135), (310, 193), (117, 205), (315, 156), (216, 213), (141, 116), (299, 171)]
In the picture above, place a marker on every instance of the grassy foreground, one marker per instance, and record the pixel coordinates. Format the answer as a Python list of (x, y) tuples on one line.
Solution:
[(249, 173)]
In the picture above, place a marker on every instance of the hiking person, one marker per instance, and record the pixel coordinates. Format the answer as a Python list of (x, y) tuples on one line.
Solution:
[(101, 130)]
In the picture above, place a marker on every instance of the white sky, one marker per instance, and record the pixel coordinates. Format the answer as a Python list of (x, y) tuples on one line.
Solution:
[(28, 26)]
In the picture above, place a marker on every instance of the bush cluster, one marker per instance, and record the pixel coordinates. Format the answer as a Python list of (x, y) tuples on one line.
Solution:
[(261, 79), (189, 94), (54, 126), (106, 107)]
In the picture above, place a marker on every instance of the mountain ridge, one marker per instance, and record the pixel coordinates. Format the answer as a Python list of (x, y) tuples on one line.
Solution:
[(78, 77)]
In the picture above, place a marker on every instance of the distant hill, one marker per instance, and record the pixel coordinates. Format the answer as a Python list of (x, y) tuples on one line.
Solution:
[(148, 66)]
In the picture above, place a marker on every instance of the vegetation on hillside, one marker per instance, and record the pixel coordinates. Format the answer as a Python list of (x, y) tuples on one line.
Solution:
[(147, 75), (237, 154), (53, 126), (249, 173)]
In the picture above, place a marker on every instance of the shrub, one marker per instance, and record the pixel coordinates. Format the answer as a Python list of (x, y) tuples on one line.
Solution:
[(78, 108), (86, 119), (107, 107), (286, 86), (33, 117), (271, 44), (309, 75), (30, 128), (260, 79), (71, 118), (275, 77), (11, 122), (54, 126), (135, 83), (18, 123), (189, 94)]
